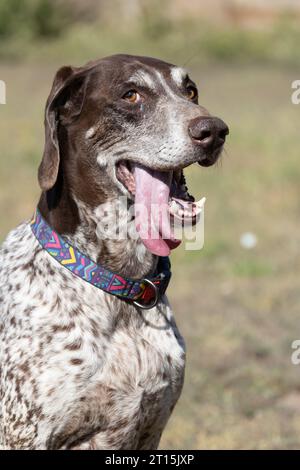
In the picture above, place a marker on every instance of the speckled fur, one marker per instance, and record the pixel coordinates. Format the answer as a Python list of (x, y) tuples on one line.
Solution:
[(80, 368)]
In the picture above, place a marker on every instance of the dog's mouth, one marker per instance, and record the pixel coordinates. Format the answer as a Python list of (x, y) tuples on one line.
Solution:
[(161, 199)]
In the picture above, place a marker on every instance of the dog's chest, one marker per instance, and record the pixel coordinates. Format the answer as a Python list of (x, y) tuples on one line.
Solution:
[(128, 377), (89, 364), (125, 378)]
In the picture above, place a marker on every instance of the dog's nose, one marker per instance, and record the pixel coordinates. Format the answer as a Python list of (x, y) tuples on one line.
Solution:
[(209, 132)]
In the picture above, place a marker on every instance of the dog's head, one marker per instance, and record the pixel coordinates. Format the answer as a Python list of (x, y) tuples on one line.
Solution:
[(128, 125)]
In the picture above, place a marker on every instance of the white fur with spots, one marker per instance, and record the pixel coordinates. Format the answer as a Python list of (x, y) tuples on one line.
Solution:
[(79, 368)]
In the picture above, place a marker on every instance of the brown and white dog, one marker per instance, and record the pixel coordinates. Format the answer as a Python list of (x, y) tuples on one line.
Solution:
[(80, 368)]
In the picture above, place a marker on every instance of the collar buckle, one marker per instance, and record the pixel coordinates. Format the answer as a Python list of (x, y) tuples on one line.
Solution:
[(153, 302)]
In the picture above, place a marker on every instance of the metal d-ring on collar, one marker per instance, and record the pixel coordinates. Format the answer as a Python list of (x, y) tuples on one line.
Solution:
[(155, 300)]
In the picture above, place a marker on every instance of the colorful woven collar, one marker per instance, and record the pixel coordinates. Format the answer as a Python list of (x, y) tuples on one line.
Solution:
[(144, 293)]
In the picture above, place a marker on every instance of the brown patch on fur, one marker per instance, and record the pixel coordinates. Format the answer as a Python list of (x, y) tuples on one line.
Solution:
[(76, 344), (76, 361), (60, 328)]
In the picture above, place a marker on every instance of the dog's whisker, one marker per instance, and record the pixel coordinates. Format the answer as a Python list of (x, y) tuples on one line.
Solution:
[(111, 144)]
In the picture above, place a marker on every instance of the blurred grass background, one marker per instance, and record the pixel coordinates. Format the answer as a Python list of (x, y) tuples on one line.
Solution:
[(238, 309)]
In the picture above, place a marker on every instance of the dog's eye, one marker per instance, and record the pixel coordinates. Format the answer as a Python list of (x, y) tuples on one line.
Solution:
[(192, 92), (132, 96)]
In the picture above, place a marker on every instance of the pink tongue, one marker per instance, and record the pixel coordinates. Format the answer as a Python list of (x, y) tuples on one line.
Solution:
[(152, 189)]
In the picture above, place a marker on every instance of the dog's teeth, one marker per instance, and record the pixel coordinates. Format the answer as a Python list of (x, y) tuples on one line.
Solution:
[(173, 207), (201, 202)]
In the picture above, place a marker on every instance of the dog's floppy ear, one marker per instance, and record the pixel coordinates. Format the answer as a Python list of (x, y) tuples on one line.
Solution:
[(66, 98)]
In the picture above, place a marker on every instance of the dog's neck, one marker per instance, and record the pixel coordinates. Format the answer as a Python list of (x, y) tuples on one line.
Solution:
[(86, 228)]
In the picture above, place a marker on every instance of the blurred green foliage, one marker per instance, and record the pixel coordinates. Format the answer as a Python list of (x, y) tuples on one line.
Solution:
[(36, 18), (26, 24)]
